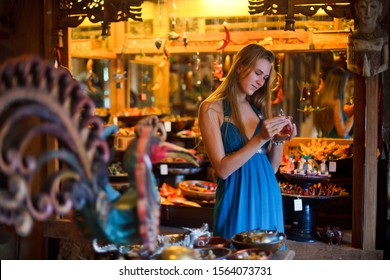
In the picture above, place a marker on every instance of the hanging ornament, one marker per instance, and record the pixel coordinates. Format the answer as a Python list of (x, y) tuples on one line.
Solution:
[(225, 40), (158, 80), (197, 61), (166, 55), (166, 51), (174, 36), (305, 92), (189, 80), (278, 89), (119, 77), (226, 65), (320, 86), (173, 22), (158, 43), (305, 86), (173, 18), (185, 39), (57, 57)]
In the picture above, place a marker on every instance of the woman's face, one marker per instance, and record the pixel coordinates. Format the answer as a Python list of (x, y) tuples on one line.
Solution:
[(251, 81), (368, 11)]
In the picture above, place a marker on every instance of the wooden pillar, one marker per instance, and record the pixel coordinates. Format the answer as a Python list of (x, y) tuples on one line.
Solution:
[(371, 166), (358, 160), (368, 58), (365, 166)]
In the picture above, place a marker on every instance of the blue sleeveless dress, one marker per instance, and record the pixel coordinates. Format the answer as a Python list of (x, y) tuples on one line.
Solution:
[(250, 198)]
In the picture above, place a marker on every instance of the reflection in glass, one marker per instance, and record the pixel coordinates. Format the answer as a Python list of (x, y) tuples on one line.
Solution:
[(92, 73), (141, 85)]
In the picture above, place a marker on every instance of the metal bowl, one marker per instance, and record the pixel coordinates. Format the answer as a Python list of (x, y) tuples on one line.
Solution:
[(213, 253), (177, 253), (250, 254), (212, 241), (267, 240), (165, 239)]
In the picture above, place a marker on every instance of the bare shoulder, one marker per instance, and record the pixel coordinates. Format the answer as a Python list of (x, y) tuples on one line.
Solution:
[(211, 111), (211, 106)]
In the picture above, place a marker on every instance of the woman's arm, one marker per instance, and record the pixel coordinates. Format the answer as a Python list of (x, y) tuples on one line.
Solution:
[(275, 156), (342, 128)]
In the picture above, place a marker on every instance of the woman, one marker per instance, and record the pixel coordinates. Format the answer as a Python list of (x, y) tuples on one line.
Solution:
[(245, 144), (333, 121)]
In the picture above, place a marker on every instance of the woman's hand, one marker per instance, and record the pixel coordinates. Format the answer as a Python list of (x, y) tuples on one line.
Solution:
[(274, 126), (287, 132)]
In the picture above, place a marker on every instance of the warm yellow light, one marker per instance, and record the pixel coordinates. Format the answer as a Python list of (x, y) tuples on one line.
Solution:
[(211, 8)]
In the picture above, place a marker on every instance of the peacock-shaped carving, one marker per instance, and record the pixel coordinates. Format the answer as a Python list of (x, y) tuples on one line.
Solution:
[(40, 107)]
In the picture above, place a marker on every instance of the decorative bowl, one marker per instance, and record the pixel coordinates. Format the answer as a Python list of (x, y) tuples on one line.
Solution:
[(212, 241), (175, 252), (164, 239), (213, 253), (267, 240), (198, 190), (250, 254)]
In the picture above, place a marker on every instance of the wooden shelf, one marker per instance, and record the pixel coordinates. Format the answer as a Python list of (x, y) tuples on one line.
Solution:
[(275, 40)]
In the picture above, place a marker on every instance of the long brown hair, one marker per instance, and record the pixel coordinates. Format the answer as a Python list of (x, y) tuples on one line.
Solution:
[(334, 89), (246, 58)]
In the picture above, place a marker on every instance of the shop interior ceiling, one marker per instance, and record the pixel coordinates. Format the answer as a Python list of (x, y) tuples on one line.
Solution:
[(73, 13), (297, 25)]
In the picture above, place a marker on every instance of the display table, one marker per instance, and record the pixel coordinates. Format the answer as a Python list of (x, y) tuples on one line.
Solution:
[(303, 227)]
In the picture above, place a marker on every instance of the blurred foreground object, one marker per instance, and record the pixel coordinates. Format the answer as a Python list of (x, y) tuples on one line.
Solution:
[(42, 106)]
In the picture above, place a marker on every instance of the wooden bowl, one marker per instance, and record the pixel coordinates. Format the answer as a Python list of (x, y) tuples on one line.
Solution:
[(188, 188), (267, 240)]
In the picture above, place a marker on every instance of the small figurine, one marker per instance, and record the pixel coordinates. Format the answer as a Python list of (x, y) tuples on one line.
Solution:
[(302, 167), (290, 166), (338, 235), (310, 168), (324, 168), (331, 235)]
